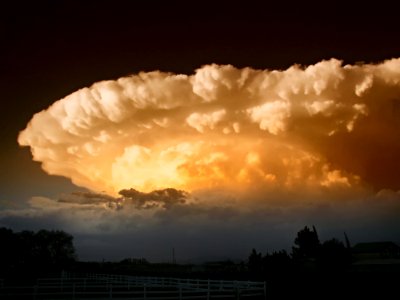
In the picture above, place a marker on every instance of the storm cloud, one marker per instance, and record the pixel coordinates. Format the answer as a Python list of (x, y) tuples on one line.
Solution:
[(320, 126), (202, 161)]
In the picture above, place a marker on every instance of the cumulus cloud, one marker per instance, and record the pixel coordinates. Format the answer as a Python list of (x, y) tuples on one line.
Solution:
[(323, 126)]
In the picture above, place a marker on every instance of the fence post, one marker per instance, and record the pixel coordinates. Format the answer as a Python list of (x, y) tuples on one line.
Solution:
[(144, 291), (35, 290), (265, 290), (180, 293), (110, 291), (236, 289), (237, 293), (73, 291)]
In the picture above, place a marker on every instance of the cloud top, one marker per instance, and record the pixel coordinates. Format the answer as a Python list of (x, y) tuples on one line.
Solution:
[(324, 125)]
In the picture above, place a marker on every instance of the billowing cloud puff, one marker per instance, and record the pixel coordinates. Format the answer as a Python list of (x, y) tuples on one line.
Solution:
[(325, 125)]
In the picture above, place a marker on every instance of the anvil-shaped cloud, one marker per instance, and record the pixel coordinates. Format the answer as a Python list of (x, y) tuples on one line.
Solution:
[(321, 126)]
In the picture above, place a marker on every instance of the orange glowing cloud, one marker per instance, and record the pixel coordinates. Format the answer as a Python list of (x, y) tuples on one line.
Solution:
[(325, 125)]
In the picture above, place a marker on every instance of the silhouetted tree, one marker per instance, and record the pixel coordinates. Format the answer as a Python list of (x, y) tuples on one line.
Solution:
[(277, 262), (308, 244), (334, 255), (8, 254), (26, 248), (30, 251), (255, 261), (54, 247)]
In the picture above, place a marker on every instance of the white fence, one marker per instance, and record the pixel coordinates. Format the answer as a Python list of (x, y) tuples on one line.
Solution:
[(106, 286)]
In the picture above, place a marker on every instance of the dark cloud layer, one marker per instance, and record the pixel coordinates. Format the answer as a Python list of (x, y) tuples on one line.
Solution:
[(86, 198), (165, 198), (201, 228)]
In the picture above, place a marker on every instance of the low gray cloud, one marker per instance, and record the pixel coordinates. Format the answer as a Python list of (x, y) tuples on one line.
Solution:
[(201, 229), (86, 198), (164, 198)]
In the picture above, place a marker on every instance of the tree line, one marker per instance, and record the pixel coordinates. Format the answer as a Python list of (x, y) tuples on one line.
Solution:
[(310, 269), (25, 252), (308, 253)]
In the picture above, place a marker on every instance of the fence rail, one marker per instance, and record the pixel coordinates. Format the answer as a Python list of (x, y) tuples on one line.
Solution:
[(107, 286)]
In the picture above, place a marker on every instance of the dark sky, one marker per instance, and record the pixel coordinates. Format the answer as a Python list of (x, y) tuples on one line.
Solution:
[(50, 49)]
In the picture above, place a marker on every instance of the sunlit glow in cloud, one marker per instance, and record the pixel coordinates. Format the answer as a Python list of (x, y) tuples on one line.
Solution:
[(321, 126)]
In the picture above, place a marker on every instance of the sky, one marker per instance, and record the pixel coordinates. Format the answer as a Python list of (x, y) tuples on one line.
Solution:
[(208, 128)]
